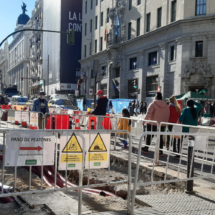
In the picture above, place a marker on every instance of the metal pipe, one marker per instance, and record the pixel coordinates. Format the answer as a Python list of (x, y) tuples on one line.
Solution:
[(2, 191), (80, 192)]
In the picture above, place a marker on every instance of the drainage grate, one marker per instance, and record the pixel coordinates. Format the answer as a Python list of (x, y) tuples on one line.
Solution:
[(179, 204)]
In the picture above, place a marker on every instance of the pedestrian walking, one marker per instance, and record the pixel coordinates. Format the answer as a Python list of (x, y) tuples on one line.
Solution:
[(131, 108), (41, 106), (6, 99), (124, 125), (110, 105), (207, 108), (212, 109), (175, 112), (137, 106), (141, 107), (101, 108), (84, 104), (158, 111), (189, 116), (2, 102), (134, 106)]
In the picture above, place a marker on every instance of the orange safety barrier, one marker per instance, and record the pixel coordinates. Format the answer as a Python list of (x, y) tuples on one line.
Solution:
[(106, 124), (61, 121), (49, 122), (24, 124), (92, 118), (32, 127), (6, 107)]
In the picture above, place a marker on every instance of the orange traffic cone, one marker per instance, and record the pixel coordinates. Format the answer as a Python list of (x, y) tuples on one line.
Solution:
[(77, 123)]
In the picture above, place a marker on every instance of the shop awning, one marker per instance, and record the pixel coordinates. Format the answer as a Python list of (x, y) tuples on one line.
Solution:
[(194, 96)]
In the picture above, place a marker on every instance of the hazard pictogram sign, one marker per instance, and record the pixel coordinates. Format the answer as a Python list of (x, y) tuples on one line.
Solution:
[(72, 146), (71, 152), (98, 145)]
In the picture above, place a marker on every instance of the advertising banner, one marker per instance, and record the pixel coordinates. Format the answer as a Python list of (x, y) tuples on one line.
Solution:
[(71, 19), (34, 119), (11, 116), (22, 116)]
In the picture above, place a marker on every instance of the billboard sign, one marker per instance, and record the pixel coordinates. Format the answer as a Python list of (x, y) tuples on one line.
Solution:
[(71, 19)]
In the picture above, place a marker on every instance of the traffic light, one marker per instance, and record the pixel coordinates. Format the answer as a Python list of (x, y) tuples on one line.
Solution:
[(70, 37), (22, 78), (135, 84)]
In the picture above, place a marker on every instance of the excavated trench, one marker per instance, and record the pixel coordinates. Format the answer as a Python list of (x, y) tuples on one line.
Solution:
[(119, 169)]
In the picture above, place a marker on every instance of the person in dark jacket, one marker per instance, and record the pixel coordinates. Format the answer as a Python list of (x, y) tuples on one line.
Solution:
[(212, 109), (1, 99), (41, 106), (101, 107), (110, 105)]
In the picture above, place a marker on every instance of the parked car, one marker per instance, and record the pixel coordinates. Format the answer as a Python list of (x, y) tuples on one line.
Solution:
[(19, 100), (63, 104)]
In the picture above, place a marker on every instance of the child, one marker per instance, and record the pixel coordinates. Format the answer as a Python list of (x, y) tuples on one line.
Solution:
[(124, 124)]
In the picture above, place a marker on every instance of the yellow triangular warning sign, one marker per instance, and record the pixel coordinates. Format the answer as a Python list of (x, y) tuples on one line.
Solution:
[(98, 145), (72, 146)]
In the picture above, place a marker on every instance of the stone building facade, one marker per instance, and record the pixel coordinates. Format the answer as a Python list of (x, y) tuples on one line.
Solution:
[(36, 50), (19, 55), (4, 66), (150, 44)]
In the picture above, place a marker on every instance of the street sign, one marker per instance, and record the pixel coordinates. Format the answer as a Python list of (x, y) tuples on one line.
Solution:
[(98, 151), (29, 148), (71, 152), (77, 93), (90, 92)]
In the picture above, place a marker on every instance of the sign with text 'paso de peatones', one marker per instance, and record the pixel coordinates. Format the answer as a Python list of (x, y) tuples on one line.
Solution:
[(29, 148), (71, 152), (98, 152)]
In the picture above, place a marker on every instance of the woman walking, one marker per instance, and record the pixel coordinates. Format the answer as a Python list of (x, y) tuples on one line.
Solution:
[(124, 124), (189, 116), (175, 112)]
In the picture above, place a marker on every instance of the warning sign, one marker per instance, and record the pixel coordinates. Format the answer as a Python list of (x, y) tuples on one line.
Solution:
[(29, 148), (71, 153), (99, 151), (98, 145), (72, 145)]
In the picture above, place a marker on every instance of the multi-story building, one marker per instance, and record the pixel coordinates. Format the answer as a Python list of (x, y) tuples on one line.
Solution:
[(4, 66), (36, 50), (19, 55), (150, 44)]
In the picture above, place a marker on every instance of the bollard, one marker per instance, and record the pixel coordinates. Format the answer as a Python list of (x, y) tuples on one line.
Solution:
[(190, 164)]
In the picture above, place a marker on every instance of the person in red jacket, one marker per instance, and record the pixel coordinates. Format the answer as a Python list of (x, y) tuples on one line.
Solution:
[(175, 112)]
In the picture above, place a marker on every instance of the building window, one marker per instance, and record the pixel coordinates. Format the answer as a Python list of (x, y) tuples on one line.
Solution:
[(148, 19), (138, 27), (199, 49), (85, 7), (101, 43), (151, 86), (133, 63), (96, 22), (101, 18), (91, 25), (108, 10), (138, 2), (201, 7), (96, 2), (159, 17), (152, 58), (103, 70), (173, 15), (85, 51), (130, 4), (90, 48), (129, 30), (85, 30), (118, 72), (91, 4), (95, 46), (172, 53), (103, 87)]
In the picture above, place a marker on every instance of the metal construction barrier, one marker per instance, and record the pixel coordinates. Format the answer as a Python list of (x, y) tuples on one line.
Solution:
[(193, 140), (44, 153), (12, 118)]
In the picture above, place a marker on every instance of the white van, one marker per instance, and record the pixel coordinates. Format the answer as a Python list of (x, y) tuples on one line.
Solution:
[(58, 96)]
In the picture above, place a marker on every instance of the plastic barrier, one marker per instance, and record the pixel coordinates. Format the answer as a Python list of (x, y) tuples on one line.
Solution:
[(61, 121), (6, 107), (49, 124)]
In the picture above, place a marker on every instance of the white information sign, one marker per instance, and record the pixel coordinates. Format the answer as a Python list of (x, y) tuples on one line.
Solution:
[(98, 151), (71, 152), (34, 118), (22, 116), (11, 116), (77, 92), (90, 92), (29, 148)]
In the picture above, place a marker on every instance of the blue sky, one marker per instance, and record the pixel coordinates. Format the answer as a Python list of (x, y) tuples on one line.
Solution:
[(9, 12)]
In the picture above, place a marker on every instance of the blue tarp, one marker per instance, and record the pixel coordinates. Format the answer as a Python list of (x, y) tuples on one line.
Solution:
[(118, 104)]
